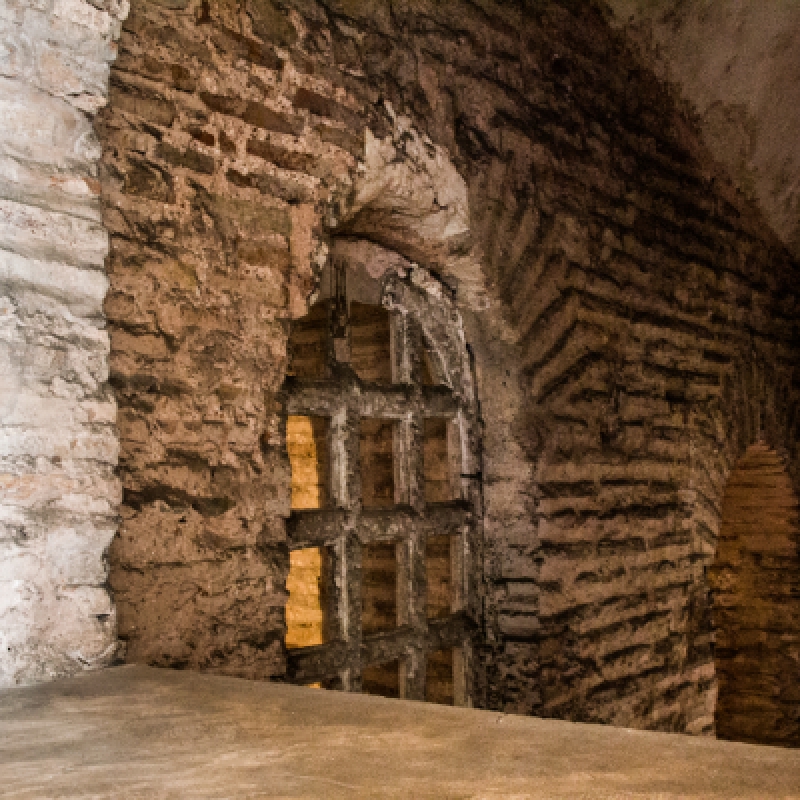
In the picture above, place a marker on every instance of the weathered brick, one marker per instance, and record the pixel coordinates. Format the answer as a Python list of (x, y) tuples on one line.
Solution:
[(315, 103), (271, 23), (281, 157), (188, 159), (262, 117)]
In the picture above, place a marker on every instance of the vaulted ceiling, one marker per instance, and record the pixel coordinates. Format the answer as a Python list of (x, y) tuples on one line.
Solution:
[(737, 62)]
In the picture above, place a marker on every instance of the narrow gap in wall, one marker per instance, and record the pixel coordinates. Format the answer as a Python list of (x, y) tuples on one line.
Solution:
[(439, 679), (305, 607), (438, 602), (376, 445), (379, 582), (382, 679), (370, 343), (307, 446), (308, 344)]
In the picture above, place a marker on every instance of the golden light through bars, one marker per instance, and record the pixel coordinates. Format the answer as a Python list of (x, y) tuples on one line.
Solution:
[(307, 446), (305, 607)]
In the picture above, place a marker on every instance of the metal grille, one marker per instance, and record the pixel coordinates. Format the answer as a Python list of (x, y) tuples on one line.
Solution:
[(360, 532)]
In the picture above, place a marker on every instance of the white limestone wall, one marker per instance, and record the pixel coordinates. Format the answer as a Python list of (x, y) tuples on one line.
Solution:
[(58, 443)]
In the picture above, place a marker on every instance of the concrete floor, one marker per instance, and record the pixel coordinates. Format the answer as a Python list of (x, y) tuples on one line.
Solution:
[(134, 732)]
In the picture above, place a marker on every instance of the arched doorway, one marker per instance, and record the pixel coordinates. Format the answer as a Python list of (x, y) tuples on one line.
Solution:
[(381, 434), (755, 584)]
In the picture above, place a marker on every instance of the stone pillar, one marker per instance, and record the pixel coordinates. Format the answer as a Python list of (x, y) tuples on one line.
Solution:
[(58, 443)]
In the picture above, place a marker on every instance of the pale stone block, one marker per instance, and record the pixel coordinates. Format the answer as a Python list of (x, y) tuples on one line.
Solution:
[(31, 500), (18, 601), (16, 51), (51, 236), (36, 411), (86, 629), (61, 443), (79, 79), (9, 388), (48, 189), (76, 557), (81, 290), (80, 13), (45, 383), (18, 563), (46, 130)]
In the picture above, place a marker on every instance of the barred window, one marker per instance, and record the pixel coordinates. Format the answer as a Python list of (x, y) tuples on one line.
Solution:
[(382, 438)]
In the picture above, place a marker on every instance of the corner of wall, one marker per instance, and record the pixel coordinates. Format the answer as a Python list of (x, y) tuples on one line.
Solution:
[(58, 443)]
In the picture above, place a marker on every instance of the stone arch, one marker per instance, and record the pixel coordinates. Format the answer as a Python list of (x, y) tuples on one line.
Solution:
[(754, 416), (755, 606), (404, 561)]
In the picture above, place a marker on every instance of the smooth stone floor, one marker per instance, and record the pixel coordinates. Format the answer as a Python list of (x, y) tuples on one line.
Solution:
[(134, 732)]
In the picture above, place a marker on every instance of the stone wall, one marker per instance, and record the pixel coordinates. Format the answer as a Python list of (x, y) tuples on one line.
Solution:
[(633, 323), (58, 445), (614, 288), (208, 256)]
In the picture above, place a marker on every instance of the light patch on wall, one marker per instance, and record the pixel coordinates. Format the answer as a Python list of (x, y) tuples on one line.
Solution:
[(307, 445), (408, 195), (304, 608)]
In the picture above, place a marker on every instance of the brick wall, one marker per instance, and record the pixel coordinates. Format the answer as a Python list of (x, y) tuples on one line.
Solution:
[(632, 321), (625, 281)]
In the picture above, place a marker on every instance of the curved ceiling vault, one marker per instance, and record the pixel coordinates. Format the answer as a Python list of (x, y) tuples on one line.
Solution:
[(737, 62)]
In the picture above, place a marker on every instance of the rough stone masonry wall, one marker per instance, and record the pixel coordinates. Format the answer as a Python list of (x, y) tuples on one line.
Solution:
[(208, 255), (639, 329), (639, 332), (58, 446)]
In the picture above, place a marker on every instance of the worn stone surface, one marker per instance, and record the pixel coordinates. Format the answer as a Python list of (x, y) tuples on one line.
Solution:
[(58, 444), (137, 732)]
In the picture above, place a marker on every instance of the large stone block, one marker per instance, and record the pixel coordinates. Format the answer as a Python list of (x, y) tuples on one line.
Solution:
[(51, 236), (46, 130)]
